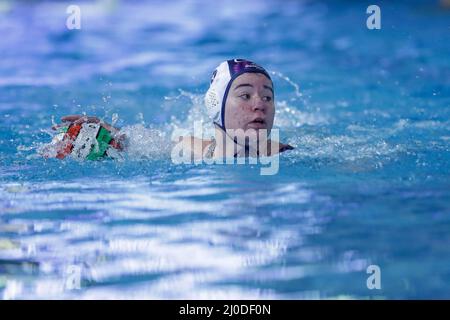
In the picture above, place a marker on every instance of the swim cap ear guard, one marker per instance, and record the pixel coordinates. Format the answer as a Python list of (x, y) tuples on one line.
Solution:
[(221, 80)]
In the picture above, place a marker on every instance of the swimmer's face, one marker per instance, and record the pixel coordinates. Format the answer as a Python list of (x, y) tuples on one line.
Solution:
[(250, 103)]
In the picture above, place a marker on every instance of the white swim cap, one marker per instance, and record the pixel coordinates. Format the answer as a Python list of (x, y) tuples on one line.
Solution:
[(221, 80)]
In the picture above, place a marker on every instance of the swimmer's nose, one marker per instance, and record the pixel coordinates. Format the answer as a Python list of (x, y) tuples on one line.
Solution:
[(259, 104)]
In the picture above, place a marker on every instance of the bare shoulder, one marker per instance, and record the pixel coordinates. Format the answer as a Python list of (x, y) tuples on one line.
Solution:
[(195, 145)]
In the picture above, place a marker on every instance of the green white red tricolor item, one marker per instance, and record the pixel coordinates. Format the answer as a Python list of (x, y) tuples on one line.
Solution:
[(86, 141)]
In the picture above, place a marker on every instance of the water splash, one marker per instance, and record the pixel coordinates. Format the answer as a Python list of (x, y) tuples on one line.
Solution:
[(296, 87), (146, 143), (288, 117)]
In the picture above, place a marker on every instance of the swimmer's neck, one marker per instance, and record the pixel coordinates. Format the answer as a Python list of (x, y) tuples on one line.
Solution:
[(226, 146)]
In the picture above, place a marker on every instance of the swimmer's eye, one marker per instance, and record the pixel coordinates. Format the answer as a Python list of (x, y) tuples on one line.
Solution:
[(267, 98), (245, 96)]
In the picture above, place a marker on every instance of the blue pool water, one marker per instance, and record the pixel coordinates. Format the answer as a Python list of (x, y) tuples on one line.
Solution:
[(367, 184)]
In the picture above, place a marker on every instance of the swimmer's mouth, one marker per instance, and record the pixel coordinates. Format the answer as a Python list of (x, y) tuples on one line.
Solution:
[(258, 123)]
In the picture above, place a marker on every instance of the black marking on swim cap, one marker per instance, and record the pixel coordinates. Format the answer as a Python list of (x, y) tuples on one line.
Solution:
[(242, 65), (213, 76)]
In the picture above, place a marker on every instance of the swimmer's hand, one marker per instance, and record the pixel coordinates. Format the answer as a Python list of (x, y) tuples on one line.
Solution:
[(79, 119)]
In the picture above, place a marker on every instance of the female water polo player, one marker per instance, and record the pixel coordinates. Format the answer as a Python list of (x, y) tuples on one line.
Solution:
[(240, 102)]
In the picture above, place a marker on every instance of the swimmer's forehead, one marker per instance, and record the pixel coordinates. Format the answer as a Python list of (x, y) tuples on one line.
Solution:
[(252, 80)]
